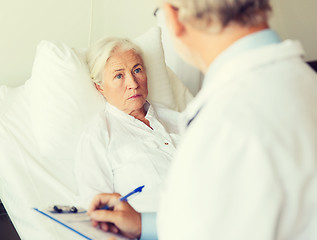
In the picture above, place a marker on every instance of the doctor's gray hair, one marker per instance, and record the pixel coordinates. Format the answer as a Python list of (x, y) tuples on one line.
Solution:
[(202, 13), (98, 54)]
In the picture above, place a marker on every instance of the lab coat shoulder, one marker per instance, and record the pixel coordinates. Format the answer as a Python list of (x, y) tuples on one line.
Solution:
[(266, 87), (271, 101), (263, 117)]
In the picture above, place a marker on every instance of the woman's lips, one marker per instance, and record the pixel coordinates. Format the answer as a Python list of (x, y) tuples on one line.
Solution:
[(135, 96)]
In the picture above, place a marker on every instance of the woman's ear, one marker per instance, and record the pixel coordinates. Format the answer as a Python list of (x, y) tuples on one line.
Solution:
[(99, 88), (176, 27)]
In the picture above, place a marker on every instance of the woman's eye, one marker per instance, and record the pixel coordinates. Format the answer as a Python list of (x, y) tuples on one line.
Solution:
[(138, 70), (119, 76)]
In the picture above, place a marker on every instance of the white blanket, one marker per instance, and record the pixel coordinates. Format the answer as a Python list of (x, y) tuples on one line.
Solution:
[(25, 180)]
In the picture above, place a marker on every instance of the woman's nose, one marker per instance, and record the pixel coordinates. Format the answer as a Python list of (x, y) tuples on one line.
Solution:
[(132, 82)]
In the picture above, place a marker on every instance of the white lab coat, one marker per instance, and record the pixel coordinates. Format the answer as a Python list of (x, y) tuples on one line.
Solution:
[(246, 167)]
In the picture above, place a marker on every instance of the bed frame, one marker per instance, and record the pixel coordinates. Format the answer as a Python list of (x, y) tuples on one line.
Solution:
[(7, 229), (313, 65)]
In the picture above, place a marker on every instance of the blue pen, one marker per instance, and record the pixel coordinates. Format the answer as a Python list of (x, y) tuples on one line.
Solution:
[(124, 198)]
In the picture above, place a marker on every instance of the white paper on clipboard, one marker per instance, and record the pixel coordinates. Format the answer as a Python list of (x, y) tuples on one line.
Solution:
[(80, 224)]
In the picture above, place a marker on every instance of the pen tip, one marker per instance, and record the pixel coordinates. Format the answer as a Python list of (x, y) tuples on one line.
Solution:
[(139, 189)]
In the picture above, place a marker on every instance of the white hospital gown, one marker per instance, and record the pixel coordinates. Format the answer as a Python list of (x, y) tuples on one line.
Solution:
[(118, 153)]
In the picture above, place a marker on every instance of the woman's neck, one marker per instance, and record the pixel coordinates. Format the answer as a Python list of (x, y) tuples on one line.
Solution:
[(140, 115)]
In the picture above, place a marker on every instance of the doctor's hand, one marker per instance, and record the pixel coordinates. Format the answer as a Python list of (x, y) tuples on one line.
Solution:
[(122, 219)]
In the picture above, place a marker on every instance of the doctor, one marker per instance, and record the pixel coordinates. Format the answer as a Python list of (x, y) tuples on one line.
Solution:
[(246, 167)]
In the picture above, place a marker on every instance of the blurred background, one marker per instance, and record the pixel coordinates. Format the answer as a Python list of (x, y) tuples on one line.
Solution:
[(78, 22)]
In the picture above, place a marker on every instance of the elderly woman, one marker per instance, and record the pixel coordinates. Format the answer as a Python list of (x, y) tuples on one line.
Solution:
[(132, 142)]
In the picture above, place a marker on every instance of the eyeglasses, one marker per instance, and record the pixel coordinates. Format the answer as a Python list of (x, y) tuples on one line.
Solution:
[(155, 11)]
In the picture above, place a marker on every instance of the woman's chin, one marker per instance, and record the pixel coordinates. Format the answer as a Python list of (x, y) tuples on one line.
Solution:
[(136, 106)]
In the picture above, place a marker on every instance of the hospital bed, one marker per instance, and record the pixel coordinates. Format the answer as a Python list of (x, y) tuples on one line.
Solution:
[(42, 119)]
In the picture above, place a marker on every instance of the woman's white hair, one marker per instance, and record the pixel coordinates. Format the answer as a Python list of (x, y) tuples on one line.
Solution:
[(98, 54), (202, 13)]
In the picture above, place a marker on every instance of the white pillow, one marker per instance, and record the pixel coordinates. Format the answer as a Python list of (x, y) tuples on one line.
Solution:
[(163, 85), (159, 85), (63, 98)]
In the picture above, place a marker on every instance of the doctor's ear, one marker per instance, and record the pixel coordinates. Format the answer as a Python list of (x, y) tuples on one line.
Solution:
[(171, 14)]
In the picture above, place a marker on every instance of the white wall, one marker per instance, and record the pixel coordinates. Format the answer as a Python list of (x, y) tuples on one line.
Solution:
[(24, 23), (297, 19), (122, 18)]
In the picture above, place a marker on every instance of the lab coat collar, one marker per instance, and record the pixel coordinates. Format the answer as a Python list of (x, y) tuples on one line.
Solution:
[(250, 42), (236, 65)]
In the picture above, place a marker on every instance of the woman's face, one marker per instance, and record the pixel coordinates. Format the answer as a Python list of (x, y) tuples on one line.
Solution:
[(125, 81)]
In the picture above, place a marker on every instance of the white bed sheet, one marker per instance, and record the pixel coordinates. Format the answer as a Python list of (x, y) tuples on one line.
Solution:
[(22, 170)]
